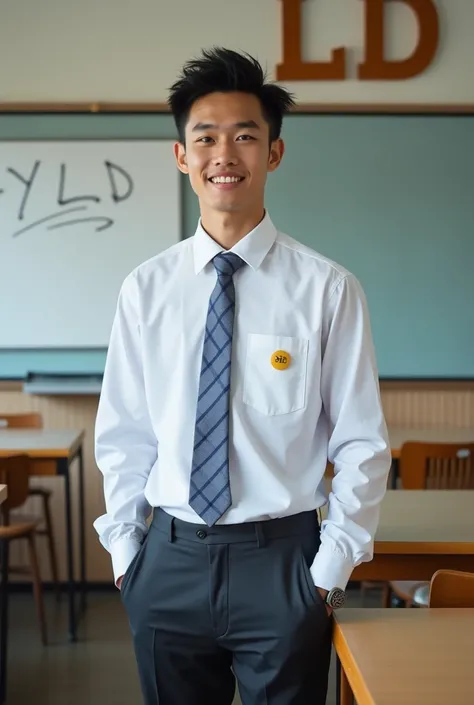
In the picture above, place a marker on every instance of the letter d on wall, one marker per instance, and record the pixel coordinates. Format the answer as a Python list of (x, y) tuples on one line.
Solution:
[(375, 66)]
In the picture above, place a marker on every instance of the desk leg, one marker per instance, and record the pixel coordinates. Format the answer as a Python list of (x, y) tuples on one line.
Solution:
[(4, 621), (82, 529), (395, 473), (344, 695), (70, 553)]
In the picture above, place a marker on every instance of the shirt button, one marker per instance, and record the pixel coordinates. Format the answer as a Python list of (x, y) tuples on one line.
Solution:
[(201, 534)]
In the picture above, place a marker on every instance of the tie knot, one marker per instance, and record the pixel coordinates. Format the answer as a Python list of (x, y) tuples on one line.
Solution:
[(227, 263)]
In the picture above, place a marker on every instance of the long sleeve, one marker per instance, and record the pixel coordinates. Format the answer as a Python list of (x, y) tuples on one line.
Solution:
[(358, 440), (125, 444)]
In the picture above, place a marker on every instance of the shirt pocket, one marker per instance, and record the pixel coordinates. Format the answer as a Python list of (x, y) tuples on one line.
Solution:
[(275, 391)]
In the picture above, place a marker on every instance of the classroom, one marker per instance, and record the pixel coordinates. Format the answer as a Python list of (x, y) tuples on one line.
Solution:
[(377, 175)]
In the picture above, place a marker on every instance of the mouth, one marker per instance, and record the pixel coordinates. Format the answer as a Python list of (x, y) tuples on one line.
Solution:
[(226, 183)]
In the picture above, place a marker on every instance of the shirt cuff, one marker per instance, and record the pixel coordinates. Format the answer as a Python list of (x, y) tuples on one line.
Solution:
[(331, 569), (123, 551)]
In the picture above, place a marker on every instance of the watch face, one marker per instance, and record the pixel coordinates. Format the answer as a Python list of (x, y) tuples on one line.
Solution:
[(336, 598)]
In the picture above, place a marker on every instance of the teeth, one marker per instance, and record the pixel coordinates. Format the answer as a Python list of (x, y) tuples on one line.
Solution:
[(226, 179)]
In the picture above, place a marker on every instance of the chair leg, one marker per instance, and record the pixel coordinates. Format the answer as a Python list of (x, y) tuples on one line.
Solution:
[(387, 596), (51, 547), (397, 602), (5, 545), (37, 588)]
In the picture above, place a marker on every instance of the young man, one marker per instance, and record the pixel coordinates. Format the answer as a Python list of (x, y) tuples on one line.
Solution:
[(240, 361)]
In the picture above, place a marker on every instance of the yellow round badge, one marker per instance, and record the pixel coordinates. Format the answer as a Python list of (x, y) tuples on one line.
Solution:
[(281, 360)]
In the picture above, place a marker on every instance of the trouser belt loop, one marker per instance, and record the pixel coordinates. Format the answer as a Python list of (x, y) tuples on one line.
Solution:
[(260, 534), (171, 530)]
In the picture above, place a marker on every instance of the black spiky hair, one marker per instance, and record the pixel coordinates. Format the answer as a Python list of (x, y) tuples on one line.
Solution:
[(224, 70)]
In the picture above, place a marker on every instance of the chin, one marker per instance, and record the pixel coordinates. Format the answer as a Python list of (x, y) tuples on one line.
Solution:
[(230, 207), (227, 206)]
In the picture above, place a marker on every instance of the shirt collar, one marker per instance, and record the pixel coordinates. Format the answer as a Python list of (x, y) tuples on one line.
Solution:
[(253, 248)]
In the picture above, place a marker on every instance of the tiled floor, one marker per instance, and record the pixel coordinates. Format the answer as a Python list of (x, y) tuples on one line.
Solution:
[(97, 670)]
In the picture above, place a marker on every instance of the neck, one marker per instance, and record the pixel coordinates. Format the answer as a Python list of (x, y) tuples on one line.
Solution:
[(228, 228)]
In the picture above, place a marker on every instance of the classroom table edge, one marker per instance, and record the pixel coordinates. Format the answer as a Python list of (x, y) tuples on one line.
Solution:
[(356, 681), (50, 453)]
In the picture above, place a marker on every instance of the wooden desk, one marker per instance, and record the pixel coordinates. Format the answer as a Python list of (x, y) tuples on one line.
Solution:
[(52, 453), (405, 657), (419, 532)]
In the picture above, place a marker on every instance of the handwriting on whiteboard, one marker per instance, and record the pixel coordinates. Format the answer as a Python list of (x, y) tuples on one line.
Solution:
[(121, 188)]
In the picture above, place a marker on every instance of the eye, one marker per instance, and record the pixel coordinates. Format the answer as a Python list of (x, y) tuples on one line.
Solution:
[(245, 138), (205, 140)]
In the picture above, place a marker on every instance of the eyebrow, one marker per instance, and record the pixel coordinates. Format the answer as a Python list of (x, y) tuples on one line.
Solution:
[(247, 124)]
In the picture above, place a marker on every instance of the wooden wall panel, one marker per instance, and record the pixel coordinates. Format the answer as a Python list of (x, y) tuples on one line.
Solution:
[(403, 407), (429, 407)]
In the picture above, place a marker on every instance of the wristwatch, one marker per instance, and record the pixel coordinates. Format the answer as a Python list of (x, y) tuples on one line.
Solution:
[(336, 598)]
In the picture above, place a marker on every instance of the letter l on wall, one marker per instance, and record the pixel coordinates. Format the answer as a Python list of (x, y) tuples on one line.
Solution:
[(293, 67)]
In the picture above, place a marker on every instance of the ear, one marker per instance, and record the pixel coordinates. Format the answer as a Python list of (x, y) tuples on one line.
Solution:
[(180, 156), (277, 150)]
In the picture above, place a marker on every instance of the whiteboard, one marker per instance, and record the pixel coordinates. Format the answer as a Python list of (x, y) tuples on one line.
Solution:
[(75, 218)]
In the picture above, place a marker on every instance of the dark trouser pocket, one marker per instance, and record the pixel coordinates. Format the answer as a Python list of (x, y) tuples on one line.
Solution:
[(127, 578)]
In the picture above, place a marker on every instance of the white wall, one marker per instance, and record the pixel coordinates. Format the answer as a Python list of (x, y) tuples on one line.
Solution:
[(131, 50)]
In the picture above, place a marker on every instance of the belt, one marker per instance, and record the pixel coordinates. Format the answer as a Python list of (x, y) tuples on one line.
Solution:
[(258, 531)]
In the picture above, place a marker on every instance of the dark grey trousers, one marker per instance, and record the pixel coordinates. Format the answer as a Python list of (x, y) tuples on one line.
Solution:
[(208, 605)]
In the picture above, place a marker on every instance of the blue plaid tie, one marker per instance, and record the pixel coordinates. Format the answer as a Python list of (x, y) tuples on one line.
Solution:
[(209, 492)]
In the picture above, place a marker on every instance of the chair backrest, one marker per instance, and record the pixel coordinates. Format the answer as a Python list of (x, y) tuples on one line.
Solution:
[(452, 588), (15, 473), (437, 466), (32, 420)]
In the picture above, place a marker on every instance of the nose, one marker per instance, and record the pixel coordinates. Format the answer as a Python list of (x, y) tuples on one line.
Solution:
[(225, 154)]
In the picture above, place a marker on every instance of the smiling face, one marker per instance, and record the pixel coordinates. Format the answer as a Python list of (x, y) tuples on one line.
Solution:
[(228, 154)]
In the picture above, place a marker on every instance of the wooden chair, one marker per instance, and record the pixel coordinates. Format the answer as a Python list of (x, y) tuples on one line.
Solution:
[(437, 466), (35, 421), (452, 588), (32, 420), (15, 473), (430, 466)]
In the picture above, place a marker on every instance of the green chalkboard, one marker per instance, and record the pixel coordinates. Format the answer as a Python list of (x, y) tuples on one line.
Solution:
[(390, 197)]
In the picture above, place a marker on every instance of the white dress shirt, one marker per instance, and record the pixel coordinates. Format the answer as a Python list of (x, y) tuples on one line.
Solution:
[(284, 424)]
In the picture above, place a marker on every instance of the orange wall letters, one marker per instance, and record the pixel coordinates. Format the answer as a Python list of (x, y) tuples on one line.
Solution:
[(374, 67)]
